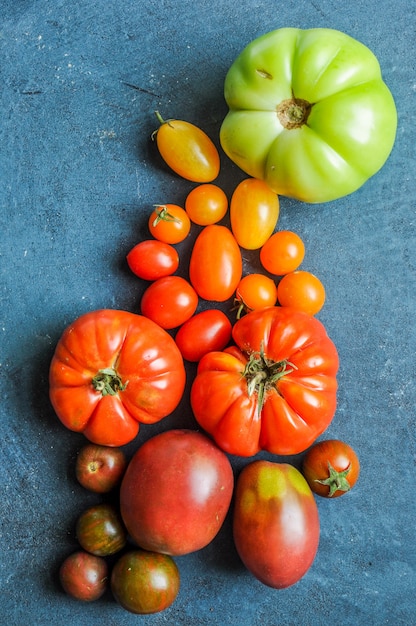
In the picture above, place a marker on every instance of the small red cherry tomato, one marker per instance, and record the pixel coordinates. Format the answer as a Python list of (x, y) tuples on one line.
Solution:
[(169, 223), (205, 332), (331, 468), (169, 301), (302, 291), (254, 211), (206, 204), (282, 253), (84, 576), (153, 259), (100, 468), (255, 291)]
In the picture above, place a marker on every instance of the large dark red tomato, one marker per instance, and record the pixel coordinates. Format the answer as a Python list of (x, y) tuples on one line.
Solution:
[(84, 576), (176, 492), (276, 523)]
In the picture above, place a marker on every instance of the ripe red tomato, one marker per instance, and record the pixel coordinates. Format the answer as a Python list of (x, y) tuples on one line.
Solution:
[(153, 259), (187, 150), (276, 391), (100, 531), (302, 291), (169, 301), (255, 291), (254, 211), (331, 468), (111, 371), (145, 582), (216, 265), (275, 523), (207, 331), (176, 492), (206, 204), (100, 468), (169, 223), (84, 576), (282, 253)]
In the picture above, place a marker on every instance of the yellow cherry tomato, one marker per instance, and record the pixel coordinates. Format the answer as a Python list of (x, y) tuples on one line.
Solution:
[(254, 211)]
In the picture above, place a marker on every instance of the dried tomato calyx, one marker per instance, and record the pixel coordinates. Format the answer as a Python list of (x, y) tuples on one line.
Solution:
[(293, 112), (262, 374), (336, 481), (108, 382)]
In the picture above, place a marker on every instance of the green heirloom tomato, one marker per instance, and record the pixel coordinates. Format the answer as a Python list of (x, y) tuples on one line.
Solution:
[(309, 113)]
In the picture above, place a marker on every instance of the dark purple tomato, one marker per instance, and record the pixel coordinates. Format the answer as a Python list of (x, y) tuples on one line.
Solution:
[(100, 468), (84, 576), (100, 530)]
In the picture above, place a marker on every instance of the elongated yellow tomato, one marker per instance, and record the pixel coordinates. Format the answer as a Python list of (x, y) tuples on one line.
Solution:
[(254, 211), (187, 150)]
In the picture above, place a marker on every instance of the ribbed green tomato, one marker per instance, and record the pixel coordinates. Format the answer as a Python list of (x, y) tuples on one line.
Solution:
[(309, 113)]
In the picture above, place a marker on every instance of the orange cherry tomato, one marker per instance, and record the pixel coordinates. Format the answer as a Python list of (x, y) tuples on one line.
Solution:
[(302, 291), (206, 204), (254, 211), (282, 253), (255, 291), (169, 223), (187, 150)]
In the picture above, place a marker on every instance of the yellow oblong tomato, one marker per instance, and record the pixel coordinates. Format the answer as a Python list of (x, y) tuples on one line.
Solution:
[(254, 211), (187, 150)]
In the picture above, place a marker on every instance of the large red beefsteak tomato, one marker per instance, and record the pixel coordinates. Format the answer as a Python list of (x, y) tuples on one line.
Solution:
[(111, 371), (275, 390)]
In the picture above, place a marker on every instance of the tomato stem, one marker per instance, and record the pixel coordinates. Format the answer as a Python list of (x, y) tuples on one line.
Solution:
[(108, 382), (262, 374), (163, 215), (293, 112), (336, 481)]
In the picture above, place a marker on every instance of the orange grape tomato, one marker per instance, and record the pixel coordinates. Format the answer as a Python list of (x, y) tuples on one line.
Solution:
[(169, 223), (206, 204), (282, 253), (254, 211), (255, 291), (302, 291), (187, 150)]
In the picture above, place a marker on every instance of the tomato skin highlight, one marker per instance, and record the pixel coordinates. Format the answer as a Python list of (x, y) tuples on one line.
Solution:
[(216, 265), (207, 331), (188, 150), (152, 259), (331, 468), (301, 290), (254, 211), (275, 523), (169, 301), (282, 253)]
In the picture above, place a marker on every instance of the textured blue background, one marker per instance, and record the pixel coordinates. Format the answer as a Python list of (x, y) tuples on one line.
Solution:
[(78, 177)]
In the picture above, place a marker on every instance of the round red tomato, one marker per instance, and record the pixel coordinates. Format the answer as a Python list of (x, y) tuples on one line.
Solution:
[(176, 492), (276, 391), (111, 371), (145, 582), (169, 223), (207, 331), (216, 264), (100, 468), (255, 291), (153, 259), (282, 253), (169, 301), (84, 576), (100, 530), (206, 204), (276, 523), (331, 468), (254, 211), (302, 291)]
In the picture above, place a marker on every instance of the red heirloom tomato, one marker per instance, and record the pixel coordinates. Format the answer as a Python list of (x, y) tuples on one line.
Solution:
[(206, 204), (145, 582), (275, 523), (187, 150), (100, 468), (282, 253), (216, 265), (254, 210), (84, 576), (100, 531), (169, 223), (301, 290), (275, 392), (153, 259), (331, 468), (202, 333), (169, 301), (111, 371), (176, 492)]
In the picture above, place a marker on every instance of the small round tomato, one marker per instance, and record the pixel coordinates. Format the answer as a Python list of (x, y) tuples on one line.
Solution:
[(254, 211), (145, 582), (255, 291), (169, 301), (216, 264), (205, 332), (302, 291), (169, 223), (153, 259), (84, 576), (100, 468), (100, 530), (187, 150), (206, 204), (282, 253), (331, 468)]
